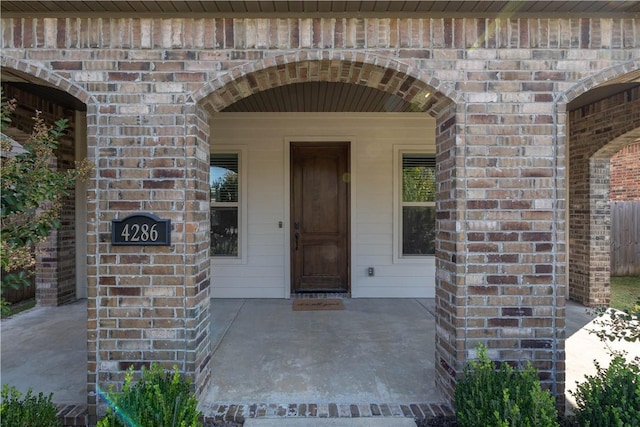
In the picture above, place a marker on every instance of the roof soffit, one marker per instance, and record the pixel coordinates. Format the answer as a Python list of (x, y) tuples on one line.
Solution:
[(307, 8)]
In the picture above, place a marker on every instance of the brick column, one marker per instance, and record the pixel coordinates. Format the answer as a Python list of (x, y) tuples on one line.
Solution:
[(500, 240), (450, 257), (149, 303)]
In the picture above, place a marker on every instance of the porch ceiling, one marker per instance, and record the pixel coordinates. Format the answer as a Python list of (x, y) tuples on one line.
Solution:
[(322, 97), (315, 8)]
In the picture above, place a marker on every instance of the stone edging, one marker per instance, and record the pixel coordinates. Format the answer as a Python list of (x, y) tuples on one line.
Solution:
[(238, 412)]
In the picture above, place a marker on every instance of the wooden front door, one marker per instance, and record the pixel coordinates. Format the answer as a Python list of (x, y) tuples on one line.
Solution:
[(320, 217)]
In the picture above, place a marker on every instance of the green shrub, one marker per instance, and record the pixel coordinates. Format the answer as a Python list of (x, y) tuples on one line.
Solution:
[(159, 399), (611, 397), (502, 397), (30, 411)]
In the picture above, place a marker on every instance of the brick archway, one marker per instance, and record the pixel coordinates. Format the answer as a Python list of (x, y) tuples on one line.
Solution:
[(44, 76), (620, 73), (596, 131), (426, 94), (60, 273)]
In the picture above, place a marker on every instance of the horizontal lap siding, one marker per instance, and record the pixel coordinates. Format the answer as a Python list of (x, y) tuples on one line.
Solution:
[(262, 274), (373, 138)]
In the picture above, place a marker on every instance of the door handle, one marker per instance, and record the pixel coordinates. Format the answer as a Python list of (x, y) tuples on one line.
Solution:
[(297, 236)]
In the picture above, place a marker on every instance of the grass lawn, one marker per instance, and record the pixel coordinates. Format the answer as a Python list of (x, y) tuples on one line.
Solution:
[(625, 291)]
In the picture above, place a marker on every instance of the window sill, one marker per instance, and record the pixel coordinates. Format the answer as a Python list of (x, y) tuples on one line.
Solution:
[(425, 260)]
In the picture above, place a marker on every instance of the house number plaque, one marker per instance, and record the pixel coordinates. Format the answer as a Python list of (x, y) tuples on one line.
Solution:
[(141, 229)]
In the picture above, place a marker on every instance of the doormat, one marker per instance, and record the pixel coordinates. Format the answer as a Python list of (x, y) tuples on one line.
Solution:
[(315, 304)]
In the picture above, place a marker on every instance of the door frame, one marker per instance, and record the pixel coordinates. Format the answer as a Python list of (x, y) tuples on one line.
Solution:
[(351, 244)]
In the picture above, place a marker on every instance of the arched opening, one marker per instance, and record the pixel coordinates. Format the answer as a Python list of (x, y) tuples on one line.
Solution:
[(61, 270), (600, 123), (265, 110), (59, 286)]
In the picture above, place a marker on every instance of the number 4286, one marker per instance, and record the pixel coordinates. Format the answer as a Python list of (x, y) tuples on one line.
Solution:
[(140, 233)]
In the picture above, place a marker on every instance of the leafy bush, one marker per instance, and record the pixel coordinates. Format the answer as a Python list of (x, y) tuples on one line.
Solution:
[(618, 325), (611, 397), (159, 399), (31, 195), (30, 411), (503, 397)]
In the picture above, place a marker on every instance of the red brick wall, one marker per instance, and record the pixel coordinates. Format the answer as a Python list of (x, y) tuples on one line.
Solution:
[(625, 174)]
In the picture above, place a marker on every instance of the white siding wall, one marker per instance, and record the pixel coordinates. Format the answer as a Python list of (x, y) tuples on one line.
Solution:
[(373, 136)]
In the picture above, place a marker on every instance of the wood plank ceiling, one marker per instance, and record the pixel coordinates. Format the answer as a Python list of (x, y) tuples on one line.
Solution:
[(389, 7), (321, 97)]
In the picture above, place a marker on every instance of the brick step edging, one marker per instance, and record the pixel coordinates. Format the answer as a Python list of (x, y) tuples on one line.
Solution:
[(73, 415), (239, 412)]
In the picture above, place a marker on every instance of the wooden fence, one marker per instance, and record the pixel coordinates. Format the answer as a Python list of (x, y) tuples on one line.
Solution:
[(625, 238), (23, 293)]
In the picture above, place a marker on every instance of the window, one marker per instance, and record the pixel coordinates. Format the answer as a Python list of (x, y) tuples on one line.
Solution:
[(224, 183), (417, 208)]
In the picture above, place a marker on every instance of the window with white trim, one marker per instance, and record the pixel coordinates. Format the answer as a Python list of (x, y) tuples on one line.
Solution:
[(417, 205), (226, 222)]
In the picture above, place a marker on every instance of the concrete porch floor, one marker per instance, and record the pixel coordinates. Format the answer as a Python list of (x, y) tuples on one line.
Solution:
[(375, 350), (375, 355), (374, 358)]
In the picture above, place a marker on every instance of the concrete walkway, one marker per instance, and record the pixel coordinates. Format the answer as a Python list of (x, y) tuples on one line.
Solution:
[(374, 354), (45, 348), (583, 348)]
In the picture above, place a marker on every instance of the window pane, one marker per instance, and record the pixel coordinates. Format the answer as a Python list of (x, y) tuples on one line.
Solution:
[(224, 178), (418, 230), (224, 204), (418, 178), (224, 231)]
